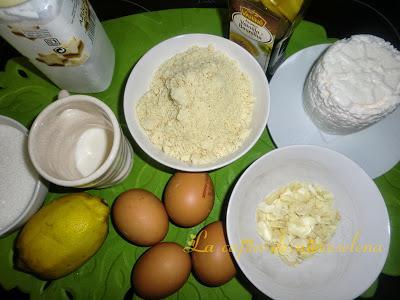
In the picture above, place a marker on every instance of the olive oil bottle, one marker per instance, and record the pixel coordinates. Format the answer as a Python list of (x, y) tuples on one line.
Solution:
[(264, 27)]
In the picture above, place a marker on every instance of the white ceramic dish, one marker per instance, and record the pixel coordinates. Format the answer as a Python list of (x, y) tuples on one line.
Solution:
[(326, 276), (139, 82), (39, 193), (375, 148)]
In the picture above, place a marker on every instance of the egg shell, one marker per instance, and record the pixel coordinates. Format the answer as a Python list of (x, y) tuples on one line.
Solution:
[(161, 271), (211, 259), (189, 198), (140, 217)]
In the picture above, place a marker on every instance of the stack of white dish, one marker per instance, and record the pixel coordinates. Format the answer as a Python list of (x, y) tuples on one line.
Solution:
[(22, 191)]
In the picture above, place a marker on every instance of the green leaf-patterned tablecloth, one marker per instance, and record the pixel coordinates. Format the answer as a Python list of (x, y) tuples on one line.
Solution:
[(24, 93)]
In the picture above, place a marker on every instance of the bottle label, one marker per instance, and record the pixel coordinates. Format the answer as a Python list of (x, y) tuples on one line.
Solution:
[(65, 41), (255, 28)]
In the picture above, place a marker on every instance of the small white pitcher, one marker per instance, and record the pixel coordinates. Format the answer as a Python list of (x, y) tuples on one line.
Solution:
[(77, 142)]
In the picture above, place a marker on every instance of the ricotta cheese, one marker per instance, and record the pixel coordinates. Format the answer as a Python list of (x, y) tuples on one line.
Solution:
[(199, 106), (354, 84)]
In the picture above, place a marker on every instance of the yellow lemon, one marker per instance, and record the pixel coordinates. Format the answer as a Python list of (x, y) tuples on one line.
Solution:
[(62, 235)]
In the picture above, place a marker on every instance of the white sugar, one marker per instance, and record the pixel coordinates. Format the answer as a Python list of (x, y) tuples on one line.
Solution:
[(17, 178)]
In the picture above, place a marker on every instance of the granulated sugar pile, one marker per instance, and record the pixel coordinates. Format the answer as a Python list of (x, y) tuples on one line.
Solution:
[(199, 106), (17, 182)]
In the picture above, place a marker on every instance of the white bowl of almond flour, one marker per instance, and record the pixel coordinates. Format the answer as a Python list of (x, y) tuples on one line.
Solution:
[(196, 102), (22, 191)]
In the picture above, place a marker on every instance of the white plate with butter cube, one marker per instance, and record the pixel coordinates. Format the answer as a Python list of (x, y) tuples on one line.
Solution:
[(358, 247)]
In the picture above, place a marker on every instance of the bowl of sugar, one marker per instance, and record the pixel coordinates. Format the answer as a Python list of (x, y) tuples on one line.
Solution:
[(22, 191)]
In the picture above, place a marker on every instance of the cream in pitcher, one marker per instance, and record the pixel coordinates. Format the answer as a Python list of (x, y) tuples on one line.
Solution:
[(77, 141)]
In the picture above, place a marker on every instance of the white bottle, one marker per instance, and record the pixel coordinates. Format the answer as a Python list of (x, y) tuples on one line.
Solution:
[(63, 38)]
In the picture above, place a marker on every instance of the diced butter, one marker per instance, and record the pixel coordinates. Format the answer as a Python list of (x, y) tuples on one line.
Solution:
[(292, 216)]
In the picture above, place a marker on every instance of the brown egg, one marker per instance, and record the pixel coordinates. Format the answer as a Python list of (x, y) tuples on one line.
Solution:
[(140, 217), (161, 271), (189, 198), (211, 260)]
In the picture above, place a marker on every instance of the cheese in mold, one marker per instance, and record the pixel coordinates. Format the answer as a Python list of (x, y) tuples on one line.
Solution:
[(354, 84)]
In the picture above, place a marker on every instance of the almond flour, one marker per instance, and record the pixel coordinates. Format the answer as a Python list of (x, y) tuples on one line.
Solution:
[(199, 106)]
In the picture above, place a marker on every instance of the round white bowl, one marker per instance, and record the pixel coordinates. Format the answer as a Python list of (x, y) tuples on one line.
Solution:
[(38, 195), (363, 212), (139, 82)]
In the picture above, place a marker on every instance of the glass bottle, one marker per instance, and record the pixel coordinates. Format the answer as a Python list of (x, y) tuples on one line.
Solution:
[(264, 27)]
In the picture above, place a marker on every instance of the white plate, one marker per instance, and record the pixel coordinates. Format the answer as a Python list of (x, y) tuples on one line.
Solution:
[(376, 148), (325, 276)]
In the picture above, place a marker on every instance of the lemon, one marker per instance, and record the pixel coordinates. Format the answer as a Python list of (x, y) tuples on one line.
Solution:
[(62, 235)]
